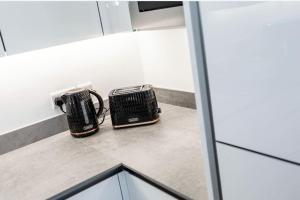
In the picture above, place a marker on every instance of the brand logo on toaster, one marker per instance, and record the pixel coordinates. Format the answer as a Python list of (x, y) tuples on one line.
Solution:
[(133, 119)]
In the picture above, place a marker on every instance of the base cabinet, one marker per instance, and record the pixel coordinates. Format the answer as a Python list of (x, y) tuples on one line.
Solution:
[(140, 190), (107, 189), (250, 176), (119, 183)]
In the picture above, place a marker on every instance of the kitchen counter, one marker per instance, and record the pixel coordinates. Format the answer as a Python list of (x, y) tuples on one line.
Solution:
[(168, 151)]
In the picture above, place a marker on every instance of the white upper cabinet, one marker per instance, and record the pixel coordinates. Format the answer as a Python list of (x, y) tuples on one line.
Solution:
[(115, 16), (28, 26), (250, 176), (2, 52), (252, 51)]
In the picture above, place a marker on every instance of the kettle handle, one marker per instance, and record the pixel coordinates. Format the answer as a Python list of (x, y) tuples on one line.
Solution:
[(100, 100)]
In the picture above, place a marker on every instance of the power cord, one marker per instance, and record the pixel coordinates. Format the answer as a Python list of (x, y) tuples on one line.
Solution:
[(59, 102), (103, 115)]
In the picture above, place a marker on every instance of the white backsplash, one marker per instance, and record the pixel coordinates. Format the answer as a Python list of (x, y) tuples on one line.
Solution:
[(27, 79), (166, 59), (157, 57)]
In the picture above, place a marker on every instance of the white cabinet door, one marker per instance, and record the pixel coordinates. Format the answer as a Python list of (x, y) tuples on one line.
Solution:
[(2, 52), (250, 176), (108, 189), (140, 190), (115, 16), (252, 51), (33, 25)]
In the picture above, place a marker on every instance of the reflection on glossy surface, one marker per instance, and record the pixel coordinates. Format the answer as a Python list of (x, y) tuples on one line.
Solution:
[(254, 74)]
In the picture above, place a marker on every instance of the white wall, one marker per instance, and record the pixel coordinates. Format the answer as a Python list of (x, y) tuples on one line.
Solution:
[(27, 79), (158, 57), (165, 58)]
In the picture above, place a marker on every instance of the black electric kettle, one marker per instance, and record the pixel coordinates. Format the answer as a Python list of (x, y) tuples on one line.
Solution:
[(81, 113)]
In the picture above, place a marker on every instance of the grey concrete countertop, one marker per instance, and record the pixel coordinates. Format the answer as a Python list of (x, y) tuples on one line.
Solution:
[(168, 151)]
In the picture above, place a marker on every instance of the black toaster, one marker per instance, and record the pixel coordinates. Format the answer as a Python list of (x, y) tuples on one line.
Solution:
[(133, 106)]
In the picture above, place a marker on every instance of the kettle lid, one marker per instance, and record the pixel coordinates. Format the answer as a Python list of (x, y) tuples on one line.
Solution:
[(74, 91)]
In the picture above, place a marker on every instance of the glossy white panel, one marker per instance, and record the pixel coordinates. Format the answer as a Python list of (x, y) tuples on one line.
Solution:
[(250, 176), (253, 62), (33, 25), (115, 16), (106, 190)]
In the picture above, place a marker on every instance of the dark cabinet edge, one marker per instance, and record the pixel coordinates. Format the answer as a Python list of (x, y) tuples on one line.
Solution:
[(2, 41), (100, 18), (258, 152)]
